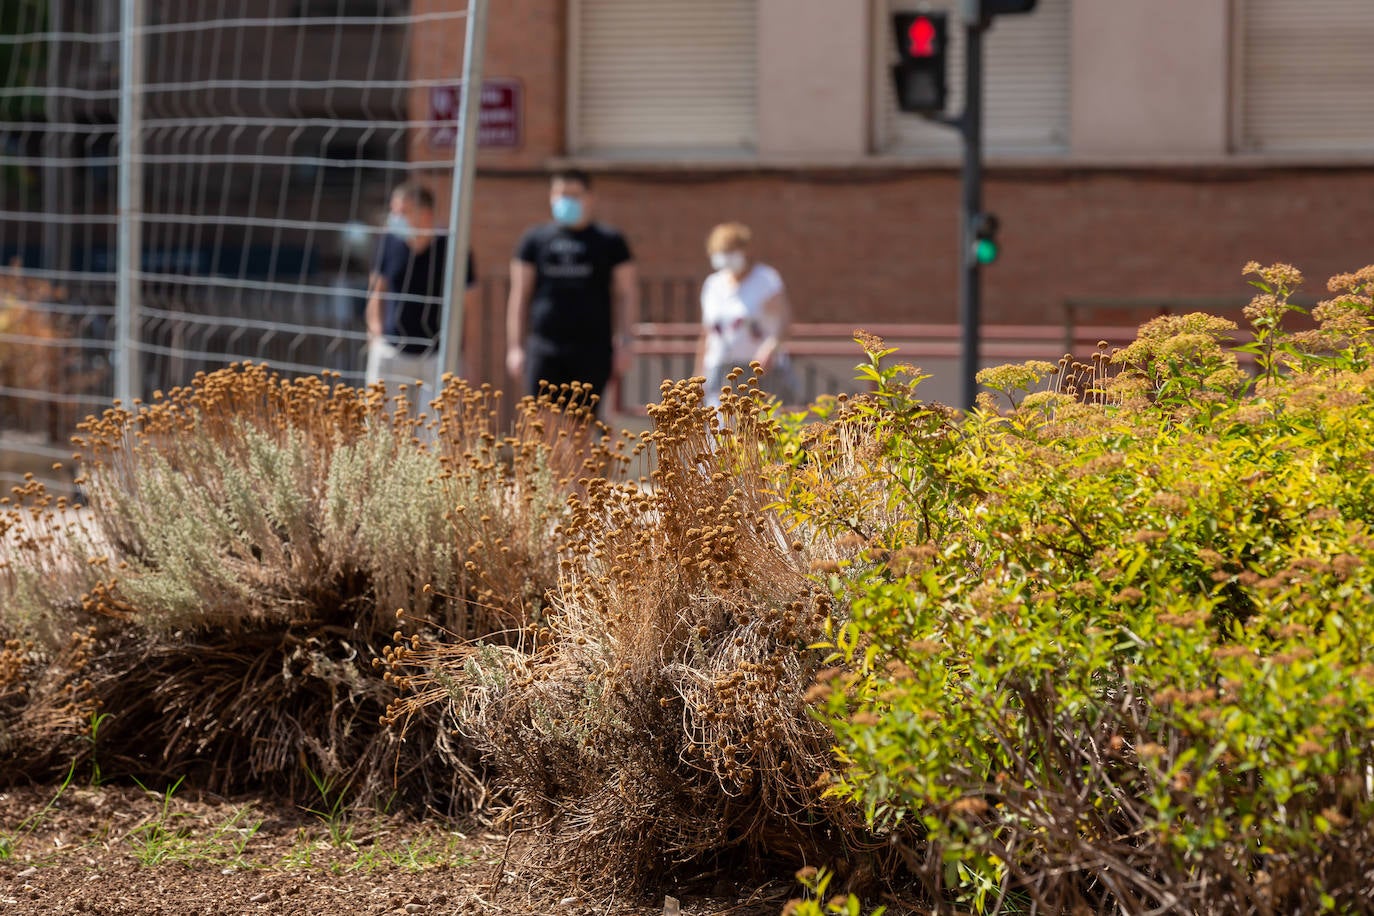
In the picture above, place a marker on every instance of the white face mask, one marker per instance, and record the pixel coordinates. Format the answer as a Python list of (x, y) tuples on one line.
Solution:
[(400, 227), (732, 261)]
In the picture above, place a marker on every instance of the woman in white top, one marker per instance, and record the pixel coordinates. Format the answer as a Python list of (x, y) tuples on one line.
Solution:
[(744, 312)]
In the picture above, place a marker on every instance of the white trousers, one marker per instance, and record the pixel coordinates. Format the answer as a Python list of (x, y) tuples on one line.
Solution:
[(388, 363)]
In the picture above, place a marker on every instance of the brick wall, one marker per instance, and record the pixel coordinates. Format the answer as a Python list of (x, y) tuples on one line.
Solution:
[(881, 245), (526, 41), (877, 243)]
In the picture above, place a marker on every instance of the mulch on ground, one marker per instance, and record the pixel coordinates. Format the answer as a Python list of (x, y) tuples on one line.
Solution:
[(121, 850)]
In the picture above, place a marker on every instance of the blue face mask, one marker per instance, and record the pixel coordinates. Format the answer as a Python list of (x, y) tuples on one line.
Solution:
[(567, 211), (400, 227)]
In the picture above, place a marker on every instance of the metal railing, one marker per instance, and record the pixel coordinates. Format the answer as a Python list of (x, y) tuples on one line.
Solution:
[(181, 189)]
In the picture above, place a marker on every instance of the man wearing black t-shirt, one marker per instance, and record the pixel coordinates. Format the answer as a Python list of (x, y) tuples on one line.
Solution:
[(574, 295), (406, 294)]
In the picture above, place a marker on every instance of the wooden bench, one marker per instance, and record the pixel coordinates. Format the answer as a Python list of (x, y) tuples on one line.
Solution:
[(667, 350)]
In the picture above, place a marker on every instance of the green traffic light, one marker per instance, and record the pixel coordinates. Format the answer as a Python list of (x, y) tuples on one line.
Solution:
[(985, 251)]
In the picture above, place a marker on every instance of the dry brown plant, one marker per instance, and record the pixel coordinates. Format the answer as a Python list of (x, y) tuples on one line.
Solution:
[(242, 549), (655, 723), (38, 356), (46, 700)]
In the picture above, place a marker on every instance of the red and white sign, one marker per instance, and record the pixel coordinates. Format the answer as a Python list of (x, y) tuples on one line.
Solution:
[(498, 122)]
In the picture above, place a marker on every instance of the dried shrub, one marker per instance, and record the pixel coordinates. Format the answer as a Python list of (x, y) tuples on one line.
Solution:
[(656, 722), (245, 544), (37, 356), (46, 701)]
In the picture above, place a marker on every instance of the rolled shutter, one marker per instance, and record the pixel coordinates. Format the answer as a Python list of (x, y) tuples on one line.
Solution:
[(664, 74), (1025, 84), (1307, 76)]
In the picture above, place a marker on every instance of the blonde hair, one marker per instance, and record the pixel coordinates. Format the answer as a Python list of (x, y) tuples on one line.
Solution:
[(728, 237)]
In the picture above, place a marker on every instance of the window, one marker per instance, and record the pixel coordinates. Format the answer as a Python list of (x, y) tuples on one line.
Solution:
[(349, 9), (340, 156), (652, 77), (1025, 84), (1306, 73)]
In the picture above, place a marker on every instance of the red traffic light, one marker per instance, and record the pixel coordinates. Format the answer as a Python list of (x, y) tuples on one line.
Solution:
[(919, 75), (921, 35)]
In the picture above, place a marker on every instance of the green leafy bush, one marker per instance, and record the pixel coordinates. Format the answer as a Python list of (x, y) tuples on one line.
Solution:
[(1111, 648), (817, 884)]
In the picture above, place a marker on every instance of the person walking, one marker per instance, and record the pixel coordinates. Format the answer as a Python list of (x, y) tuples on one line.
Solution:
[(574, 295), (745, 316), (406, 294)]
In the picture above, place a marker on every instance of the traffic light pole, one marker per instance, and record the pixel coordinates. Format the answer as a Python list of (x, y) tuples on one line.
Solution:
[(970, 125), (919, 78)]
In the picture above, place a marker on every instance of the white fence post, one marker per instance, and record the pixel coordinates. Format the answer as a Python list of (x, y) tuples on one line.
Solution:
[(130, 237), (460, 205)]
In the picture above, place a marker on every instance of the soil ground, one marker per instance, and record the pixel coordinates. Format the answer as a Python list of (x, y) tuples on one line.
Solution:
[(121, 850)]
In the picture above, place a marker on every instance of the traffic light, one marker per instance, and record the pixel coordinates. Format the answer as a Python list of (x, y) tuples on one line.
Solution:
[(919, 74), (985, 238)]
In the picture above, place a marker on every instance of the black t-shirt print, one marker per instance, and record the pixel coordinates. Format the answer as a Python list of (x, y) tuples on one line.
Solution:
[(414, 298), (570, 308)]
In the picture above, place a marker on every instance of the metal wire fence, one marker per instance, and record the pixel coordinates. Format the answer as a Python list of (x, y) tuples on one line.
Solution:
[(189, 183)]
